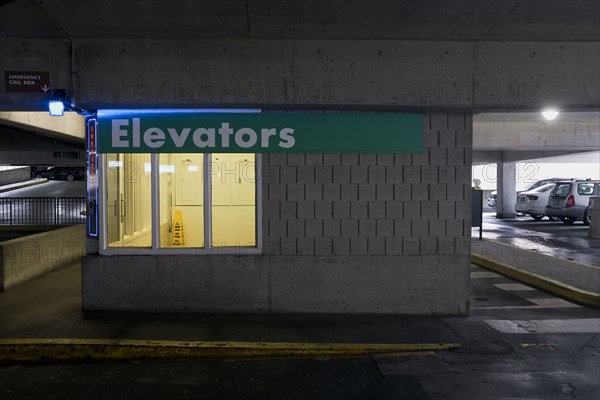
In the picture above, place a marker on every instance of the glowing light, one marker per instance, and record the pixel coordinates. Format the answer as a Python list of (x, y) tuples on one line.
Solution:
[(116, 112), (550, 114), (166, 169), (56, 107)]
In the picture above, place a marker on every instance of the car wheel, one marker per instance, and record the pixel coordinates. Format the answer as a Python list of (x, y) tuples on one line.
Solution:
[(537, 217), (586, 218), (568, 220), (70, 177)]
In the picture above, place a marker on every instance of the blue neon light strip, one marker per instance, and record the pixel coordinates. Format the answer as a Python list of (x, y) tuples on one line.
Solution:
[(117, 112)]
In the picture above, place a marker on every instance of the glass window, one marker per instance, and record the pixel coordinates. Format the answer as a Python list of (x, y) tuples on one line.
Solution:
[(233, 184), (128, 196), (181, 199), (562, 189), (585, 189), (203, 201)]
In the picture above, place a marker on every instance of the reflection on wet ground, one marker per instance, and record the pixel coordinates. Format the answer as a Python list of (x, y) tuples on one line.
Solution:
[(556, 239)]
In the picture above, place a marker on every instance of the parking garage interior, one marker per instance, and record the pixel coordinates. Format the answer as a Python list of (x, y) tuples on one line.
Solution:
[(480, 88)]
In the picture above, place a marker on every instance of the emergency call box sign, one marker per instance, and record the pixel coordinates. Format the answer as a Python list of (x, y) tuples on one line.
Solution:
[(27, 81)]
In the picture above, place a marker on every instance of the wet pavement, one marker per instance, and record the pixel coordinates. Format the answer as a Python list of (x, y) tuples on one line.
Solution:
[(518, 343), (49, 189), (46, 203), (570, 242)]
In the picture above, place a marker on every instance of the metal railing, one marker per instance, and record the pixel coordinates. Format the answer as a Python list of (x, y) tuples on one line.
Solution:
[(42, 210)]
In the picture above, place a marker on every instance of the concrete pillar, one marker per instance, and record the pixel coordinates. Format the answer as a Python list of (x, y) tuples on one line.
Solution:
[(594, 210), (507, 190)]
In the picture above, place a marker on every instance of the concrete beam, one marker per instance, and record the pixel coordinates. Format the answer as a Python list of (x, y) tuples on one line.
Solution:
[(497, 156), (70, 124), (542, 135), (319, 73), (534, 75)]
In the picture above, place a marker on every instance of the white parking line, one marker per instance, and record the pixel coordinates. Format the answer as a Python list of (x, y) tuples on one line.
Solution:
[(486, 274), (513, 286), (588, 325), (553, 302)]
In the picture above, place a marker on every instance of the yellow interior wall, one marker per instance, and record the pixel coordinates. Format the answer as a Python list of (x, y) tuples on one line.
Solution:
[(233, 226), (233, 200)]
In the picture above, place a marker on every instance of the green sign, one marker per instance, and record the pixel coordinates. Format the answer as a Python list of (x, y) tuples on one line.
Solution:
[(189, 131)]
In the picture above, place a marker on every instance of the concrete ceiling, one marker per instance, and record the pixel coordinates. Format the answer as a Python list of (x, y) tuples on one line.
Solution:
[(529, 117), (431, 20), (528, 136), (468, 20)]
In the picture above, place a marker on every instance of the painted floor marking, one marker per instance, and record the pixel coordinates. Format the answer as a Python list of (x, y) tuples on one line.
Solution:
[(515, 307), (513, 287), (552, 302), (587, 325), (485, 274)]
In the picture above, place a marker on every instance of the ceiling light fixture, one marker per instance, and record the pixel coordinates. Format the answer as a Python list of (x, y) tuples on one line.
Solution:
[(58, 104), (56, 108), (550, 113)]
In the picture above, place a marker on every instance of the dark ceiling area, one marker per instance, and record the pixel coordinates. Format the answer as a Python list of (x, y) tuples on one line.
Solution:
[(469, 20)]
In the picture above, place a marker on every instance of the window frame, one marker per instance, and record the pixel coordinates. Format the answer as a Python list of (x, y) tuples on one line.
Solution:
[(155, 249)]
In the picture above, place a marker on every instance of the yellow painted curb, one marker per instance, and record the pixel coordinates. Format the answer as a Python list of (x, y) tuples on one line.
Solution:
[(93, 349), (560, 289)]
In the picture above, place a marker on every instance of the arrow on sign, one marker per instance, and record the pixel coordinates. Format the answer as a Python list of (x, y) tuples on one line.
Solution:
[(45, 88)]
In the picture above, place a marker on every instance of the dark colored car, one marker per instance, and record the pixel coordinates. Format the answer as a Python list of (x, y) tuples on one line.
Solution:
[(491, 201), (62, 173)]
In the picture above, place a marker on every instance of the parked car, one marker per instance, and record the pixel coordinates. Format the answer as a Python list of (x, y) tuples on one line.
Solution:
[(491, 201), (569, 200), (62, 173), (546, 181), (534, 202), (538, 184)]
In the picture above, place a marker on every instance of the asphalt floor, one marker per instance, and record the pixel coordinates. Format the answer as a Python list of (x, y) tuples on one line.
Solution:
[(536, 338), (517, 343)]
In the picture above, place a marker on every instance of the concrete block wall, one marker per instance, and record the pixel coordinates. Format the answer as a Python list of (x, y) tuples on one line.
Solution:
[(342, 233), (368, 204), (378, 233)]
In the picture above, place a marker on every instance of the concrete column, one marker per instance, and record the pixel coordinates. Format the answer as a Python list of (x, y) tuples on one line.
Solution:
[(594, 210), (507, 190)]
